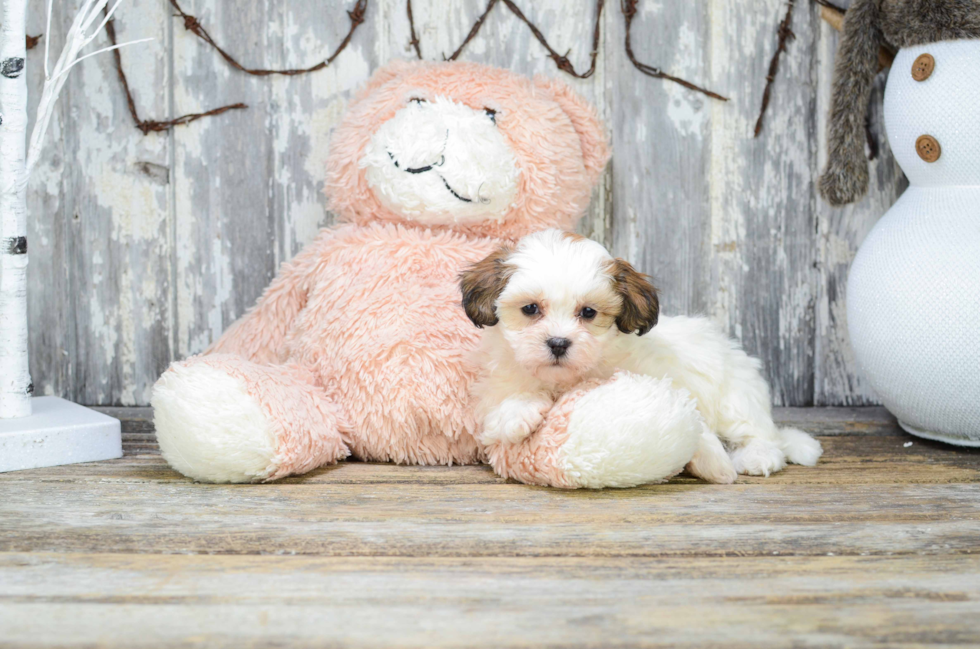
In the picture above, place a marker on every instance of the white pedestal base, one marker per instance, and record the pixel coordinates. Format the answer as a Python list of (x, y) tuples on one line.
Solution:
[(59, 432)]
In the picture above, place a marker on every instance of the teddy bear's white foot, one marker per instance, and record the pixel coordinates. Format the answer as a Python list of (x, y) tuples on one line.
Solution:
[(629, 431), (221, 418), (210, 428)]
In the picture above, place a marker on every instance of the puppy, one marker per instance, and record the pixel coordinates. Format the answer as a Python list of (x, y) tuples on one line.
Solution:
[(560, 309)]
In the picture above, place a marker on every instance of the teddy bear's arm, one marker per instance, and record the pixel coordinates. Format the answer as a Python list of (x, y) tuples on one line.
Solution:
[(259, 335)]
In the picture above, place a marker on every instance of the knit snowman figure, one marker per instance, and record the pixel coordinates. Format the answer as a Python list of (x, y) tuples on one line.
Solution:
[(913, 294)]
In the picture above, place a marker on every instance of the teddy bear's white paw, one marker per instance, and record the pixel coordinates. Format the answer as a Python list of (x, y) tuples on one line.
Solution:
[(630, 431), (210, 428), (513, 420), (759, 457)]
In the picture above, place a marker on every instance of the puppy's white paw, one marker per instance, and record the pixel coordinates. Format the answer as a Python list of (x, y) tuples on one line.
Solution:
[(711, 463), (513, 420), (759, 457), (800, 447)]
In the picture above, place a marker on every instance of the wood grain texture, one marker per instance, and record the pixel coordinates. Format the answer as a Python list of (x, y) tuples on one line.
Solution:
[(875, 546), (99, 204), (661, 134), (485, 520), (147, 248), (840, 231), (763, 193), (309, 601), (849, 459)]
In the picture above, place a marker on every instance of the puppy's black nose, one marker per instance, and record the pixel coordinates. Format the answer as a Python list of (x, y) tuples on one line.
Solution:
[(559, 346)]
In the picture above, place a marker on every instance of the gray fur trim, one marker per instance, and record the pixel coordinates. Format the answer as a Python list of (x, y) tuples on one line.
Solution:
[(867, 25)]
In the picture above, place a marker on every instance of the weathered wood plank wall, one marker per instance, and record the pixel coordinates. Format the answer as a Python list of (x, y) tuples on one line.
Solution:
[(144, 248)]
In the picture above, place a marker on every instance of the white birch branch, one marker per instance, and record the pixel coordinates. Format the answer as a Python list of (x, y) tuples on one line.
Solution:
[(16, 164), (15, 378), (78, 37)]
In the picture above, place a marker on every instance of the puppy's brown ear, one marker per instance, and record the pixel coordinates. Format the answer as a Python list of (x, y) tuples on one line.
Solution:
[(641, 308), (481, 285)]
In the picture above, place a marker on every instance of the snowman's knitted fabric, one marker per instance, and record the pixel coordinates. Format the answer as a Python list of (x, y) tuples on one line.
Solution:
[(913, 296), (913, 311), (946, 106)]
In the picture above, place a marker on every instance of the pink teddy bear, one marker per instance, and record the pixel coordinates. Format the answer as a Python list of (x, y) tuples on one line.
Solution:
[(360, 346)]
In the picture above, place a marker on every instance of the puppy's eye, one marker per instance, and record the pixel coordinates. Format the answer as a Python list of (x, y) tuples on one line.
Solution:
[(587, 313), (529, 309), (492, 114), (417, 100)]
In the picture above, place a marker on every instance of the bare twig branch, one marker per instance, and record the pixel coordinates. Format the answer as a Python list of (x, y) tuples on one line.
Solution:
[(192, 24), (357, 17), (77, 39), (785, 34), (474, 30), (561, 60), (146, 126), (628, 7), (411, 27)]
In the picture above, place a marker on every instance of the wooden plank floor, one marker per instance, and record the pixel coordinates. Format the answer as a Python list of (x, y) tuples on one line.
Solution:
[(877, 546)]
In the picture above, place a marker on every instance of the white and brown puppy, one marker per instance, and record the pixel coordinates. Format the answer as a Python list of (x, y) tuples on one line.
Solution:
[(560, 309)]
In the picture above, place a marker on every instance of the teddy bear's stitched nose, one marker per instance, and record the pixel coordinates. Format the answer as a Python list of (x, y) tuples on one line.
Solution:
[(559, 346)]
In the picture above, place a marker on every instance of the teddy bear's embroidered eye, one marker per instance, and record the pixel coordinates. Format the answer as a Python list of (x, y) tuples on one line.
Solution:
[(492, 114), (587, 313), (529, 309), (417, 100)]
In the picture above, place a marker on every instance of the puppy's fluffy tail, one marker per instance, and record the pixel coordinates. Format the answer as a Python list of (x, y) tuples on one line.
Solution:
[(800, 447)]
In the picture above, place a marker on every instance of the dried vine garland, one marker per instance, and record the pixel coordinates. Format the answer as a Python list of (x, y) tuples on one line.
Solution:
[(192, 24), (357, 16), (411, 26), (147, 126), (834, 15), (561, 60), (785, 34), (628, 8)]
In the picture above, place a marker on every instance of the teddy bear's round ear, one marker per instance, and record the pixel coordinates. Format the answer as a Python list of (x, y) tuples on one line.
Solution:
[(590, 129)]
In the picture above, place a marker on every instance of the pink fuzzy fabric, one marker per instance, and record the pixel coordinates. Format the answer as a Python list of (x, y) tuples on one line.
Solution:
[(375, 317), (309, 428), (368, 317)]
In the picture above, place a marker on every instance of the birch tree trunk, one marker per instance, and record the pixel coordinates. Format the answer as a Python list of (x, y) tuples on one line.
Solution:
[(15, 379)]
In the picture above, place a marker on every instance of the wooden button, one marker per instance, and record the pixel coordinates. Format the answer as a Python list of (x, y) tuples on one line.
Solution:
[(928, 148), (923, 66)]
